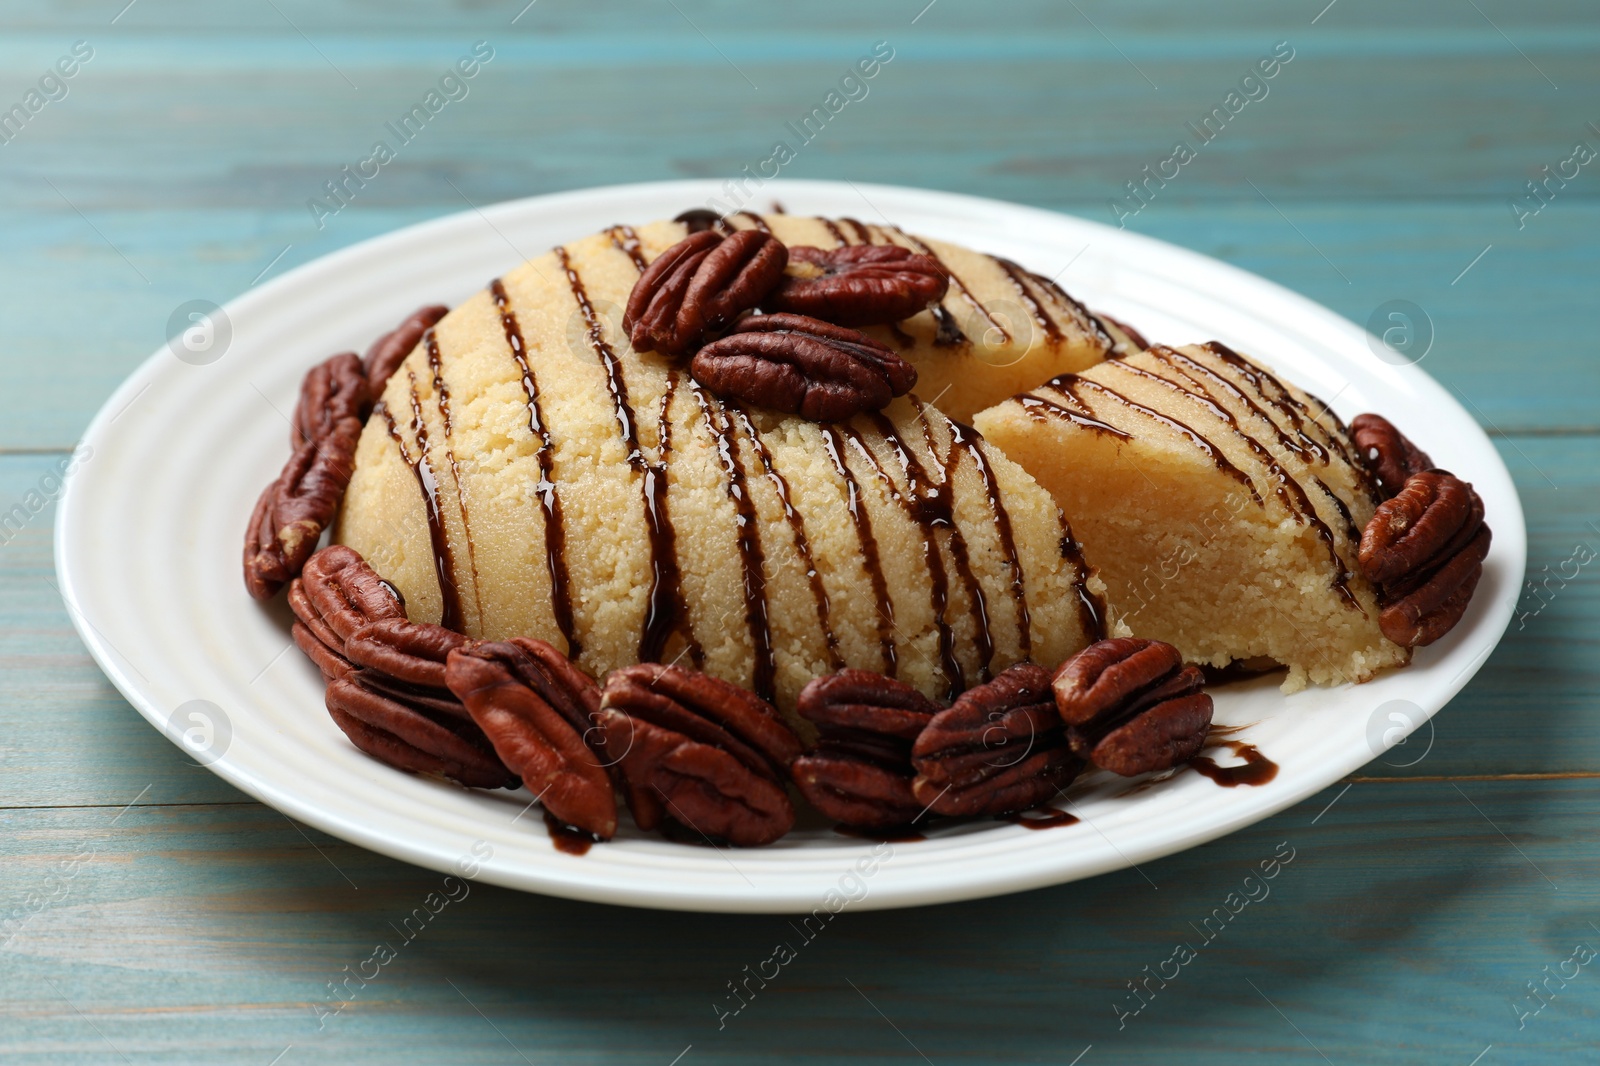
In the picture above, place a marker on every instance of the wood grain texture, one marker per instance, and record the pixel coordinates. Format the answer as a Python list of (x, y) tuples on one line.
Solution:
[(198, 926), (1402, 930)]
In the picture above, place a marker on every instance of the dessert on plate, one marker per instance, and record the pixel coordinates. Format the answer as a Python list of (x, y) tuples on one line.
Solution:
[(690, 516), (1222, 507)]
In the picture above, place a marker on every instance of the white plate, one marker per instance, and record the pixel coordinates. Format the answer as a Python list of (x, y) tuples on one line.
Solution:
[(148, 535)]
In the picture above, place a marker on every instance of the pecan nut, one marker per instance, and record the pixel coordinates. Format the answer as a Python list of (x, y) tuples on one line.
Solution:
[(391, 349), (700, 285), (699, 751), (998, 748), (859, 284), (331, 391), (1424, 549), (406, 738), (294, 510), (411, 652), (859, 772), (803, 366), (406, 661), (338, 593), (1131, 706), (391, 699), (328, 659), (1388, 454), (535, 707)]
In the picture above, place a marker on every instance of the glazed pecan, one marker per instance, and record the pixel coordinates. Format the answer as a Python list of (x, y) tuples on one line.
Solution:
[(330, 392), (706, 754), (536, 707), (859, 284), (803, 366), (1424, 549), (699, 285), (1131, 706), (391, 349), (294, 510), (338, 593), (328, 658), (859, 772), (1388, 455), (407, 738), (412, 652), (999, 748), (406, 661)]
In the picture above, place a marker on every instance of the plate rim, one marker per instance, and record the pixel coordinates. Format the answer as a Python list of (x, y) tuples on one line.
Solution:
[(1510, 529)]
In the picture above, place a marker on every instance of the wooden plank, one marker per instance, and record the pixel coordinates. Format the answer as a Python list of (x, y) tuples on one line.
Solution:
[(1512, 337), (170, 119), (1403, 929)]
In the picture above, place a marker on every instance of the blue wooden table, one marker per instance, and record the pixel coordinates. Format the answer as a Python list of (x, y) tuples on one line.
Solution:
[(1442, 912)]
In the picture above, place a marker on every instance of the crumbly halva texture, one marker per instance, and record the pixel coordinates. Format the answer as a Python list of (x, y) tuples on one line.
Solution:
[(1222, 506), (527, 473)]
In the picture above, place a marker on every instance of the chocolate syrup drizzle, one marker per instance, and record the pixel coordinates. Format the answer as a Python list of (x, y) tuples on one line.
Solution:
[(1290, 491), (1286, 403), (927, 500), (1050, 286), (555, 529), (838, 234), (700, 219), (756, 221), (443, 561), (856, 504), (1038, 408), (441, 392), (939, 504), (751, 557), (966, 439), (668, 610), (1045, 817), (627, 241), (949, 332), (932, 559), (863, 234), (797, 528), (1256, 769), (1068, 384), (926, 503), (1018, 278)]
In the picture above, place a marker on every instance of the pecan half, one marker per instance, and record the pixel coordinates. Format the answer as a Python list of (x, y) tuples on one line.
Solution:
[(706, 754), (406, 661), (1424, 549), (408, 739), (331, 391), (999, 748), (1131, 706), (803, 366), (338, 593), (859, 284), (859, 772), (391, 349), (412, 652), (328, 659), (535, 707), (1386, 452), (391, 699), (699, 285), (294, 510)]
